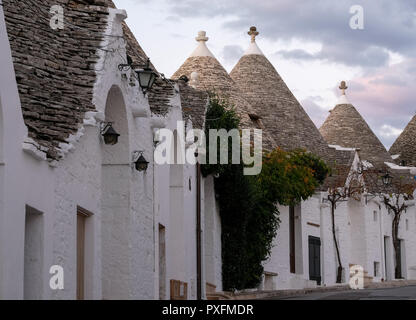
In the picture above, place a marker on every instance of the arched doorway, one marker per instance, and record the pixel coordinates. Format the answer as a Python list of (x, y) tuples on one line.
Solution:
[(116, 173)]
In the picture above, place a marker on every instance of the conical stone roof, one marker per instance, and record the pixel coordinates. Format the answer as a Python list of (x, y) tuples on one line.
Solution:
[(281, 114), (405, 144), (347, 128), (207, 74)]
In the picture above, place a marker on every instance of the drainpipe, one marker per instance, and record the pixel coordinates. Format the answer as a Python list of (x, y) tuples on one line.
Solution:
[(156, 276), (198, 233)]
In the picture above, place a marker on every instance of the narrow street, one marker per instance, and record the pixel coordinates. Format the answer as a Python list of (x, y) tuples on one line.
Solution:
[(398, 293)]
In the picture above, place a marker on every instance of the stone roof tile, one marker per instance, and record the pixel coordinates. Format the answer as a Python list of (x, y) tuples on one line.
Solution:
[(55, 69), (283, 118), (160, 97), (194, 104), (347, 128), (405, 144), (212, 77)]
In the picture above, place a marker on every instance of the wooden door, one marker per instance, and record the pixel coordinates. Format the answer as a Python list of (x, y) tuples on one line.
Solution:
[(80, 256), (315, 259), (162, 262)]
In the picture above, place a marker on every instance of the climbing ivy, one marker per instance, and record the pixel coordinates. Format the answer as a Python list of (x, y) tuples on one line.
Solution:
[(247, 204), (219, 115)]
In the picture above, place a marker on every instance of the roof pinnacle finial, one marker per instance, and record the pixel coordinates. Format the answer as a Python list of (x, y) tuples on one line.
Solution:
[(343, 87), (343, 98), (253, 33), (202, 37), (202, 50)]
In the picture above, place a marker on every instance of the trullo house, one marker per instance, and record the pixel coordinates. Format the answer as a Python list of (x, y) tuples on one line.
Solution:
[(81, 197)]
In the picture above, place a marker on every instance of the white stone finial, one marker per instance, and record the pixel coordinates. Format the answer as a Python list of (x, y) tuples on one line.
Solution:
[(202, 36), (343, 87), (202, 49), (343, 98), (253, 48), (194, 79), (253, 33)]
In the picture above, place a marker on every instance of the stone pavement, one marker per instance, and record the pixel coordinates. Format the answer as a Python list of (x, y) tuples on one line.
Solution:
[(394, 293), (332, 291)]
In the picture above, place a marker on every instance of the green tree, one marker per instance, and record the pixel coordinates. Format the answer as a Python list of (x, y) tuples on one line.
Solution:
[(248, 204)]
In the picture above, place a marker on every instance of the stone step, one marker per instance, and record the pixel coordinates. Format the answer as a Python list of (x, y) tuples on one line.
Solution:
[(217, 296), (367, 279)]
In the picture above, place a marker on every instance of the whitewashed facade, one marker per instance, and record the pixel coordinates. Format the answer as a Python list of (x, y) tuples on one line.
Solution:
[(122, 210), (365, 239)]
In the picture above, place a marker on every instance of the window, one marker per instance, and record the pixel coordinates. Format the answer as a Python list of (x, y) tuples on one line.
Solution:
[(375, 216), (407, 224), (376, 268), (33, 254), (82, 216)]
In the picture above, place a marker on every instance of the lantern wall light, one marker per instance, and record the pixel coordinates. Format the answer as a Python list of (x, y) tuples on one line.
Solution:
[(387, 179), (144, 74), (139, 161), (108, 133), (156, 137)]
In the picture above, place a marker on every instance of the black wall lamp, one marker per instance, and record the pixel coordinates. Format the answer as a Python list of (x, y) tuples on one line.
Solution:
[(109, 134), (387, 179), (144, 74), (139, 161)]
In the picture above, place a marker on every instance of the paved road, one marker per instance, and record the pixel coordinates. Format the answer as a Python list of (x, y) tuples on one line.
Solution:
[(398, 293)]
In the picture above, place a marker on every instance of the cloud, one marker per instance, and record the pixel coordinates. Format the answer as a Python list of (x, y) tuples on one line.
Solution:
[(388, 131), (392, 80), (389, 26), (386, 99), (315, 111), (370, 57), (173, 19), (177, 36), (231, 54), (297, 54), (388, 134)]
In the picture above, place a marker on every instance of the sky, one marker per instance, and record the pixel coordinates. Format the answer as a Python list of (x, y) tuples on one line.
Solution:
[(309, 42)]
